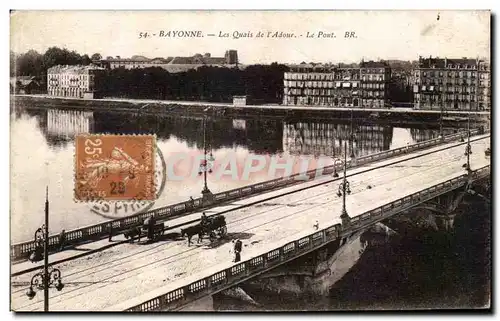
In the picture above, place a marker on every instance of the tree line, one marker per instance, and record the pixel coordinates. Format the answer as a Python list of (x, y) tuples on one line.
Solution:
[(33, 63), (214, 84)]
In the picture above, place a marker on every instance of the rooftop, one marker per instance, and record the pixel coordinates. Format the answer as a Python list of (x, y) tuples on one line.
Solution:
[(447, 62), (197, 59), (77, 69)]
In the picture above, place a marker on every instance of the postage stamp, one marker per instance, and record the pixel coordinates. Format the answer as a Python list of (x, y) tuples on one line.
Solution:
[(118, 209), (115, 167)]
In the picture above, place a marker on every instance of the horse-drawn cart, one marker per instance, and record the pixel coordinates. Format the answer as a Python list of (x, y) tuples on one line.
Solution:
[(214, 227), (157, 230)]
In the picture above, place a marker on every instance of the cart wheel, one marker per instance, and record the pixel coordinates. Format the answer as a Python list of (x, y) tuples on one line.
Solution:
[(222, 231)]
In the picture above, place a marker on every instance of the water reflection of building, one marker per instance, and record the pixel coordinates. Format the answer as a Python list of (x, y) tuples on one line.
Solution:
[(258, 135), (328, 138), (68, 123), (423, 134)]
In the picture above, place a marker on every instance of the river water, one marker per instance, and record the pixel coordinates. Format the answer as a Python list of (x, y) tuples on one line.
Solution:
[(42, 154)]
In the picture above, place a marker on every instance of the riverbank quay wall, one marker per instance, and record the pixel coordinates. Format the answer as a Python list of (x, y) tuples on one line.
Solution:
[(200, 109)]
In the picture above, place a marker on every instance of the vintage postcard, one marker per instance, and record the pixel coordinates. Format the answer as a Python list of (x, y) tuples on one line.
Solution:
[(250, 160)]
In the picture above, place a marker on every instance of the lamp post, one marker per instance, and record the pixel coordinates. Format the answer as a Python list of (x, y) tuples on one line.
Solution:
[(468, 148), (48, 276), (441, 123), (352, 138), (205, 166), (344, 189)]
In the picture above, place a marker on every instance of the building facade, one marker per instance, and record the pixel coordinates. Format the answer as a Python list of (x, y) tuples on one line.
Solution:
[(75, 81), (375, 78), (451, 84), (363, 85)]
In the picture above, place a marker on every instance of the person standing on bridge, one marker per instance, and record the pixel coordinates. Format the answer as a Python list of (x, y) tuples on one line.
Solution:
[(150, 223), (62, 240), (237, 250)]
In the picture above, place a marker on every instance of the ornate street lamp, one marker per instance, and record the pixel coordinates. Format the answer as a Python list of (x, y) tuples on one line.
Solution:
[(336, 161), (344, 189), (468, 148), (45, 278), (205, 165), (41, 282)]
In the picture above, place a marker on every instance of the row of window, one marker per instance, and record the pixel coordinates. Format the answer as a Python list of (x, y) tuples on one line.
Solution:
[(444, 98), (69, 76), (468, 82), (459, 66), (452, 74), (66, 92), (331, 77), (319, 84), (441, 89), (319, 76), (372, 71), (68, 84), (321, 92), (326, 84), (330, 93)]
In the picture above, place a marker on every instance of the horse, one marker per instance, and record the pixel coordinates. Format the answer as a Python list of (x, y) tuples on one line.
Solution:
[(192, 230), (133, 232)]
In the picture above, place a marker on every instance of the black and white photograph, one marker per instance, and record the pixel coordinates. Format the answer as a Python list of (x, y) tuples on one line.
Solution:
[(250, 161)]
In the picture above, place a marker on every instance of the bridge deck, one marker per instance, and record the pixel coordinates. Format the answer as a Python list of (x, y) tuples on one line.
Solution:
[(138, 272)]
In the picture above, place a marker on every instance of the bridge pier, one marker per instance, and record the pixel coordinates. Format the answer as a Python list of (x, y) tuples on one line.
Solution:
[(207, 197), (443, 207), (315, 274), (445, 222)]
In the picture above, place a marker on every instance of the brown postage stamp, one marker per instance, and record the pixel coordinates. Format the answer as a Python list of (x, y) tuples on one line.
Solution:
[(114, 167)]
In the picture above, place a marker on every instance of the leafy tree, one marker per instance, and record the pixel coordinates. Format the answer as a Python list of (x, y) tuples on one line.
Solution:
[(85, 60), (29, 64), (96, 56)]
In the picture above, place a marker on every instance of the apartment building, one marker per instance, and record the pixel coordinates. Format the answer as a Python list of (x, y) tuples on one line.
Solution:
[(75, 81), (452, 84), (363, 85)]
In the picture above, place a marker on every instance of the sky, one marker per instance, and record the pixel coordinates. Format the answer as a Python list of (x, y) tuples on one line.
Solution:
[(379, 34)]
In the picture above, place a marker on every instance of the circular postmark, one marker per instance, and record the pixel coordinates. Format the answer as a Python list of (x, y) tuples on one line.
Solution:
[(119, 209)]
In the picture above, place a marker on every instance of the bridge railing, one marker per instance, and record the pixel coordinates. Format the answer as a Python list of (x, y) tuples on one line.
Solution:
[(242, 271), (102, 230)]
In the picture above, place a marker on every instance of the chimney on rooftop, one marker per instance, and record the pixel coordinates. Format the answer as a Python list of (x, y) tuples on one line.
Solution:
[(445, 62)]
